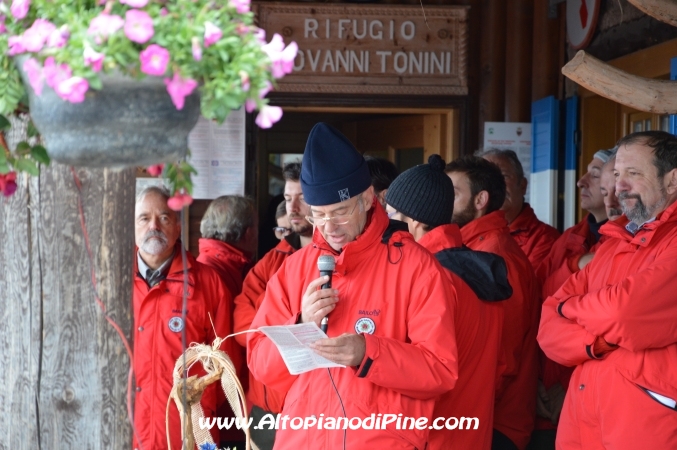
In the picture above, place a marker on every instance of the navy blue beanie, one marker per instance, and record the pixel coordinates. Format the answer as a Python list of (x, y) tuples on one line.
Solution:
[(332, 170)]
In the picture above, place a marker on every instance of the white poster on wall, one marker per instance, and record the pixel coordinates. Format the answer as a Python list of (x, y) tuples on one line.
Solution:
[(514, 136), (218, 155)]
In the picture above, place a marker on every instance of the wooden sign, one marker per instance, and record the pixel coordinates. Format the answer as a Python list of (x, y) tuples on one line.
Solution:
[(367, 49)]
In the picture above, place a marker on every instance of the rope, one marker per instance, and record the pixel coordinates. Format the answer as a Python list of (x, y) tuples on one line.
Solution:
[(218, 366)]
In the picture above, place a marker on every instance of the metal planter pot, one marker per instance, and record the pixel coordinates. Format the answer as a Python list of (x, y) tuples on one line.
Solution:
[(127, 123)]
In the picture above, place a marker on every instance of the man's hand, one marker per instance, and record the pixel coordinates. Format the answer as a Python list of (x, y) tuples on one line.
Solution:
[(317, 304), (585, 260), (347, 349)]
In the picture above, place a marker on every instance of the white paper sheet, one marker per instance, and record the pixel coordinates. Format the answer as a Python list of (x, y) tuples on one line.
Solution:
[(292, 342), (218, 155)]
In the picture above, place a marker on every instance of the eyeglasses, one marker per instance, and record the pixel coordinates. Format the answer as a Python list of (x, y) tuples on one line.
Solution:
[(336, 220), (281, 232)]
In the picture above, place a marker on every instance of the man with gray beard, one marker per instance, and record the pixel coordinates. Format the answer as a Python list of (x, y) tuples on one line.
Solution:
[(161, 321), (615, 319)]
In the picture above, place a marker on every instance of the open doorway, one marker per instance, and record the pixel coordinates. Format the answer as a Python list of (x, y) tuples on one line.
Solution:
[(406, 137)]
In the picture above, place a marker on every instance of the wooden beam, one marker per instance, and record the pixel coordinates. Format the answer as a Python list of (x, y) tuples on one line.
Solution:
[(492, 60), (663, 10), (654, 96), (518, 57)]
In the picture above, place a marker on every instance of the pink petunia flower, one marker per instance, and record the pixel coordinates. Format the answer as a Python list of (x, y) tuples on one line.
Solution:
[(179, 200), (250, 104), (179, 89), (35, 37), (241, 6), (268, 116), (154, 60), (135, 3), (35, 76), (16, 45), (285, 63), (73, 89), (197, 49), (163, 12), (19, 8), (103, 26), (93, 59), (261, 36), (212, 34), (3, 28), (155, 170), (59, 37), (138, 26), (55, 74), (8, 183), (282, 58)]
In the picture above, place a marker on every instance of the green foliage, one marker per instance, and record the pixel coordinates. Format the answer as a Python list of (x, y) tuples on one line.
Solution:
[(231, 71), (25, 158)]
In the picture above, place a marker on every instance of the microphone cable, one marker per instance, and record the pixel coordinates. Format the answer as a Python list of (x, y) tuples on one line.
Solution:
[(345, 430)]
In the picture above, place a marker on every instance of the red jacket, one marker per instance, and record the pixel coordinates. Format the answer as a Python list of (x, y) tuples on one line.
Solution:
[(232, 265), (516, 398), (534, 237), (246, 305), (626, 295), (478, 326), (574, 242), (557, 267), (229, 261), (157, 342), (398, 289)]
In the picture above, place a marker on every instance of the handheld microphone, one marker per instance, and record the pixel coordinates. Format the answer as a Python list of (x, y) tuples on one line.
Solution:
[(326, 265)]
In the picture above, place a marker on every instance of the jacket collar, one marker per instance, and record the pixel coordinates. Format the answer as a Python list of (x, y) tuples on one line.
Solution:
[(441, 238), (222, 250), (284, 247), (616, 229), (525, 220), (175, 272), (355, 251), (478, 227)]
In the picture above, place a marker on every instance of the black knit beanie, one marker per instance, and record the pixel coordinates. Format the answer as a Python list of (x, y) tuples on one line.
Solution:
[(332, 170), (425, 193)]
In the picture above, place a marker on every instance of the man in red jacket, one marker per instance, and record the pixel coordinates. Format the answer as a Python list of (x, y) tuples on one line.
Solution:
[(570, 253), (161, 322), (261, 399), (390, 320), (479, 189), (534, 237), (229, 232), (423, 198), (615, 319), (572, 249)]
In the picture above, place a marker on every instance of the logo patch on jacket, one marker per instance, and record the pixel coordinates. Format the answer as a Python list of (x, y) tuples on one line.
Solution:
[(176, 324), (365, 325)]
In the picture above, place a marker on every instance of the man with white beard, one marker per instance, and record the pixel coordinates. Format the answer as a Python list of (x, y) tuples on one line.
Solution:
[(160, 320)]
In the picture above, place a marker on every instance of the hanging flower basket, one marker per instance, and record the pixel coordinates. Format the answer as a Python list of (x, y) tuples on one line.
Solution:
[(127, 122), (121, 82)]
